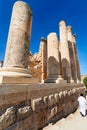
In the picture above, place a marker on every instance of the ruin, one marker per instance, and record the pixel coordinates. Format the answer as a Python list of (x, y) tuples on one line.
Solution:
[(15, 69), (60, 57), (26, 103)]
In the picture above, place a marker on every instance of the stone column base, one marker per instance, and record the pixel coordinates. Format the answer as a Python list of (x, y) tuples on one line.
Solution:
[(72, 81), (54, 80), (17, 80), (78, 81), (16, 75)]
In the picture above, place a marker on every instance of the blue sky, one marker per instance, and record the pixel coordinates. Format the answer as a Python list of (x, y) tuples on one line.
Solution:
[(46, 16)]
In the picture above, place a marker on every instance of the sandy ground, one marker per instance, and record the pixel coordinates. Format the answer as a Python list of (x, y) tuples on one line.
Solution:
[(73, 122)]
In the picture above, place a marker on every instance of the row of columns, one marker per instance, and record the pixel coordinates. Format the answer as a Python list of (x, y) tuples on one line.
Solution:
[(62, 59), (59, 61)]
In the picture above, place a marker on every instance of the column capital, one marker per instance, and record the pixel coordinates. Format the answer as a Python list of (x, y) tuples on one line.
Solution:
[(69, 28)]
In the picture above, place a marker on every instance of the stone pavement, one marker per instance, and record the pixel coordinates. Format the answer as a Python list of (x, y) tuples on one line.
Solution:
[(73, 122)]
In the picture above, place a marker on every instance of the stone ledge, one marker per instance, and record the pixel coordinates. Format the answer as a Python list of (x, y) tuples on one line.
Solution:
[(17, 80)]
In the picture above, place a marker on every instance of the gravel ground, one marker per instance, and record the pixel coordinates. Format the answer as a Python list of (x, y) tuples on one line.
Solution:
[(73, 122)]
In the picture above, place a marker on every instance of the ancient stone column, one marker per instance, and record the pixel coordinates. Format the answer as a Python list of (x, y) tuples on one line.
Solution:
[(69, 33), (77, 67), (53, 63), (19, 36), (64, 49), (71, 52), (16, 57), (44, 59)]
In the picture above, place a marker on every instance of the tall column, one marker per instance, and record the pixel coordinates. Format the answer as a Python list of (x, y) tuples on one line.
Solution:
[(19, 36), (69, 33), (44, 59), (71, 52), (78, 76), (16, 57), (53, 63), (64, 49)]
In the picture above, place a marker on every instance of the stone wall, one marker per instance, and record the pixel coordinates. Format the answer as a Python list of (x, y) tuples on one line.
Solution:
[(31, 107), (35, 64)]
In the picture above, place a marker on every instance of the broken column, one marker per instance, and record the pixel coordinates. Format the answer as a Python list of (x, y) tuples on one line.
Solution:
[(53, 63), (64, 49), (16, 57)]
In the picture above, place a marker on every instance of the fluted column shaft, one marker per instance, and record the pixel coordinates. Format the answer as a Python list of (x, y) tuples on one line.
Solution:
[(71, 52), (78, 75), (53, 56), (44, 59), (64, 49)]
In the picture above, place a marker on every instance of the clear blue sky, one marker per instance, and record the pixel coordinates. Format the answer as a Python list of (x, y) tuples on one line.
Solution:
[(46, 16)]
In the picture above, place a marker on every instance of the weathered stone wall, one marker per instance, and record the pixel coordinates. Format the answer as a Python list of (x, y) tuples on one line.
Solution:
[(35, 64), (31, 107)]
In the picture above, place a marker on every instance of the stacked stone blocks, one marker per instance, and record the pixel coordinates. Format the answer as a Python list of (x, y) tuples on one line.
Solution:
[(34, 106)]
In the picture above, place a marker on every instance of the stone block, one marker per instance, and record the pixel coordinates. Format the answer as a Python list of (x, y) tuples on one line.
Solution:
[(23, 112), (7, 118), (51, 100), (37, 104), (17, 80), (51, 112), (56, 97)]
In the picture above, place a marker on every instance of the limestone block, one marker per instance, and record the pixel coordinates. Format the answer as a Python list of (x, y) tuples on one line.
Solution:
[(23, 112), (64, 93), (40, 119), (40, 97), (37, 104), (17, 80), (12, 94), (56, 97), (51, 100), (46, 100), (60, 95), (7, 118), (51, 112)]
